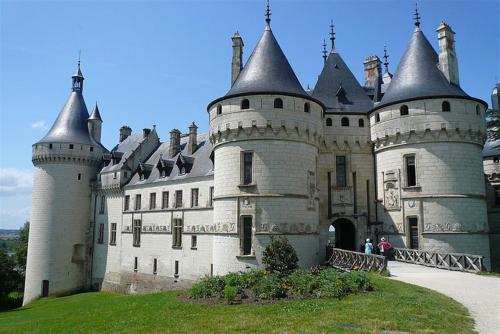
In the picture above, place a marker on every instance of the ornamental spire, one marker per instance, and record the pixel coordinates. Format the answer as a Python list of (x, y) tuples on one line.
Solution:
[(386, 60), (332, 35), (77, 79), (417, 16), (268, 15), (324, 51)]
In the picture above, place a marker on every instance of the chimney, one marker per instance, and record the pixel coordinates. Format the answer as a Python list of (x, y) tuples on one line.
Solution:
[(373, 70), (192, 144), (145, 132), (237, 63), (175, 142), (125, 131), (448, 63)]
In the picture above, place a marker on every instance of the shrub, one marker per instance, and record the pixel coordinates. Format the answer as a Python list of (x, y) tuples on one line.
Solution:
[(280, 256), (236, 280), (331, 283), (359, 281), (209, 286), (250, 278), (230, 293), (301, 282), (269, 287)]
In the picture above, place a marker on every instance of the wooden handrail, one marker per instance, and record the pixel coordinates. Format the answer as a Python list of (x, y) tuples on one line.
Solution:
[(451, 261), (349, 260)]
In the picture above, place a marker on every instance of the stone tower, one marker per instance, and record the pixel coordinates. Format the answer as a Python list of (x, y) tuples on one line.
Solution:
[(265, 132), (66, 162), (428, 136)]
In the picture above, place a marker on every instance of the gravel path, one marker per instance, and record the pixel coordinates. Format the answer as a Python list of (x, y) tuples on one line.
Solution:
[(479, 293)]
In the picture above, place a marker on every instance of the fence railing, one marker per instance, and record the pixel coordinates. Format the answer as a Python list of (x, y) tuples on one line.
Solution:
[(349, 260), (450, 261)]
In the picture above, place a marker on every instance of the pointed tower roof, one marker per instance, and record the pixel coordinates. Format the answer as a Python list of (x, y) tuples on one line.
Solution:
[(71, 124), (95, 113), (338, 89)]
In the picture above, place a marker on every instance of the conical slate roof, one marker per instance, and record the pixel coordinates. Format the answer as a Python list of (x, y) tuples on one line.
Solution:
[(267, 71), (95, 113), (418, 75), (491, 148), (338, 89)]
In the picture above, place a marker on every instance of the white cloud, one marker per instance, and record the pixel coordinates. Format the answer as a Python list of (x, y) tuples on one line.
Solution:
[(14, 182), (39, 125), (14, 218)]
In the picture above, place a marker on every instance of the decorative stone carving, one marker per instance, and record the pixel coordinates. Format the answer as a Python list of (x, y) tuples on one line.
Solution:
[(391, 190)]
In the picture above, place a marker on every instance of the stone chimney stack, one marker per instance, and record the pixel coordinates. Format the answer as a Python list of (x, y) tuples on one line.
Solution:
[(193, 143), (125, 131), (175, 142), (145, 132), (237, 63), (448, 63), (373, 70)]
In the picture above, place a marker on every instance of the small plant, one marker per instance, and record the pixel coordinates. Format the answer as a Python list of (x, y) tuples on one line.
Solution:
[(230, 293), (301, 282), (209, 286), (252, 277), (236, 280), (270, 287), (280, 256)]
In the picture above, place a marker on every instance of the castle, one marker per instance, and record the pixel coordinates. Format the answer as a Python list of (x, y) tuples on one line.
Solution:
[(400, 157)]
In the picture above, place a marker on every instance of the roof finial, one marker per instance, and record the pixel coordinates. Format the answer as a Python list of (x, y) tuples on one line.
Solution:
[(268, 14), (386, 60), (417, 16), (324, 51), (332, 35)]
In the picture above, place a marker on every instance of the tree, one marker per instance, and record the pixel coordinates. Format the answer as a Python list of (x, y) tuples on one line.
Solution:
[(493, 123), (10, 279), (22, 248), (280, 256)]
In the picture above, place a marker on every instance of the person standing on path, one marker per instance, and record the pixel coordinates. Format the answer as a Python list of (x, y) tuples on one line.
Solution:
[(384, 247), (368, 247)]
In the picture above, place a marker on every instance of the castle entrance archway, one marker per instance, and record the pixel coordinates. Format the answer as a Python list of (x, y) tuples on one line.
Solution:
[(345, 234)]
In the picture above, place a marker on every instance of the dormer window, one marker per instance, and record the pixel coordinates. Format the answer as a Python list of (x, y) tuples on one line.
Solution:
[(183, 170), (445, 106), (278, 103), (164, 167), (307, 107), (245, 104), (184, 164), (403, 110), (144, 170)]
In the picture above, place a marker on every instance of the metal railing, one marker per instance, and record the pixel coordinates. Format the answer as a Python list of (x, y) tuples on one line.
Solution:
[(450, 261), (348, 260)]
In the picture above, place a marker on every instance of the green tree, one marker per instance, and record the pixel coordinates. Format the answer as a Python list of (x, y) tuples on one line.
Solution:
[(493, 123), (10, 279), (22, 248), (280, 256)]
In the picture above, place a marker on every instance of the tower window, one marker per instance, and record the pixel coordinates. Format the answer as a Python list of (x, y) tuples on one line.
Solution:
[(341, 171), (344, 121), (410, 171), (361, 123), (71, 146), (497, 195), (155, 266), (194, 242), (152, 201), (176, 269), (307, 107), (403, 110), (245, 104), (112, 235), (478, 110), (136, 264), (103, 205), (278, 103), (79, 176), (137, 233), (445, 106), (164, 200), (219, 109), (194, 197), (377, 118), (177, 233), (100, 238), (50, 146), (91, 149), (211, 197), (328, 121), (246, 236), (178, 198), (247, 167)]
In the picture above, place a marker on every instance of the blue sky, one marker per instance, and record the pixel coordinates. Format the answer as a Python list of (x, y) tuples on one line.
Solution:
[(162, 62)]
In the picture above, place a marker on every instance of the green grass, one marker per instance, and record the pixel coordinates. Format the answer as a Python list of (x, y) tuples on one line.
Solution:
[(392, 306)]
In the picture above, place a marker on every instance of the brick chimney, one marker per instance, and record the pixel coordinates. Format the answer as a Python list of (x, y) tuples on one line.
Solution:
[(125, 131), (175, 142), (193, 143), (448, 63), (237, 63), (373, 69)]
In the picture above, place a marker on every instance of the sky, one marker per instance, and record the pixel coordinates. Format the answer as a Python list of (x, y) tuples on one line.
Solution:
[(162, 62)]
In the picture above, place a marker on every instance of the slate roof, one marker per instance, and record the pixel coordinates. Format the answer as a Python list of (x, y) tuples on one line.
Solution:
[(123, 151), (338, 89), (200, 162), (95, 113), (491, 148), (418, 75)]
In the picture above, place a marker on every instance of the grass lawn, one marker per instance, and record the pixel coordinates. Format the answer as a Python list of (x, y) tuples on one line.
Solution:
[(392, 306)]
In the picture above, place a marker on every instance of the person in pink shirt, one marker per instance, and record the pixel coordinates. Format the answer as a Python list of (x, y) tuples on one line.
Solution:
[(384, 247)]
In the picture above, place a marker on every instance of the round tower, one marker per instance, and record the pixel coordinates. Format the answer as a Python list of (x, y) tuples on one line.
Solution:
[(265, 132), (428, 136), (66, 162)]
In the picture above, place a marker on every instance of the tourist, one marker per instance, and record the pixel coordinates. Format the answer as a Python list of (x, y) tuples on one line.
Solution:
[(384, 247), (368, 247)]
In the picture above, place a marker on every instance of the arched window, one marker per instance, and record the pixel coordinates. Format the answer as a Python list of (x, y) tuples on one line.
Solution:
[(377, 118), (278, 103), (328, 121), (245, 104), (307, 107), (478, 110), (445, 106), (219, 109), (403, 110), (361, 123), (344, 121)]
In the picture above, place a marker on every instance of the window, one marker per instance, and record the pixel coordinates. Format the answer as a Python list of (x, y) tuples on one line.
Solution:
[(496, 160), (176, 269), (50, 146), (245, 104), (100, 238), (136, 264), (194, 197), (341, 171), (403, 110), (497, 195), (247, 167), (164, 200), (71, 146), (137, 202), (411, 176), (445, 106), (413, 224), (246, 236), (478, 110), (126, 205), (112, 236), (103, 205), (91, 149), (361, 123), (79, 176), (307, 107), (211, 197), (137, 233), (194, 242), (177, 233), (328, 121), (115, 175), (377, 118), (278, 103), (219, 109), (155, 266), (178, 198), (344, 121), (152, 201)]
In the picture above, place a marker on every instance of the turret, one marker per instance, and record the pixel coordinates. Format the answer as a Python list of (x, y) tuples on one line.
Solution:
[(95, 124), (448, 62)]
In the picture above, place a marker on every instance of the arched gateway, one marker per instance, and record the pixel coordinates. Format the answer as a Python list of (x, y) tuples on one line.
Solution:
[(345, 234)]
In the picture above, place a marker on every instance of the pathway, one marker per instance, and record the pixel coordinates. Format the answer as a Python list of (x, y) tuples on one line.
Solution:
[(479, 293)]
